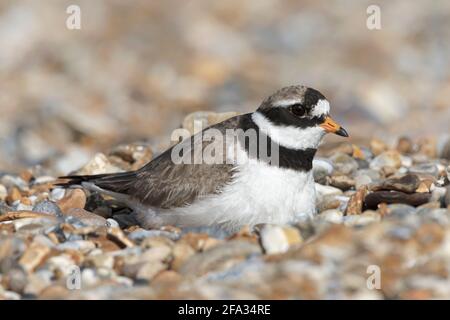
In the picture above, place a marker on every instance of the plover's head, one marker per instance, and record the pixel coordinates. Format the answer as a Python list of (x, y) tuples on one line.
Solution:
[(296, 117)]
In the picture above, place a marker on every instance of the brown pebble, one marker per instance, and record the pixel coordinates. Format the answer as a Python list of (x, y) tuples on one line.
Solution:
[(74, 198), (407, 183), (377, 146), (33, 256), (342, 182), (423, 188), (405, 145), (373, 199), (355, 204), (14, 195), (86, 217)]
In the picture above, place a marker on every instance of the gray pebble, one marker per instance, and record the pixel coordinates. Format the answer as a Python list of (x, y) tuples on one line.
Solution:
[(401, 210), (48, 207), (112, 223)]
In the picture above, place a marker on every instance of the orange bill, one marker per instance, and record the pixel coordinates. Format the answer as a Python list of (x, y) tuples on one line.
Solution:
[(331, 126)]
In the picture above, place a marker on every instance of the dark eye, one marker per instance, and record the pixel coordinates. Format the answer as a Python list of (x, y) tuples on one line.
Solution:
[(298, 110)]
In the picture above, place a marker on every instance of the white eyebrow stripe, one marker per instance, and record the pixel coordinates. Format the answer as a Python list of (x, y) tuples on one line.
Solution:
[(286, 102), (322, 107)]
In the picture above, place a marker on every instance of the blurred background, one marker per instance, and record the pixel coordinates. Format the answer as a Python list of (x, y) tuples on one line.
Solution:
[(137, 68)]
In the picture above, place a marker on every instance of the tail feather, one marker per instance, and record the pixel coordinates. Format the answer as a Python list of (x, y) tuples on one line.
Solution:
[(116, 182)]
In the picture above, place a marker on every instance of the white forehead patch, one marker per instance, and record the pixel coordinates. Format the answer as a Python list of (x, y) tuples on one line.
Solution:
[(286, 102), (322, 107)]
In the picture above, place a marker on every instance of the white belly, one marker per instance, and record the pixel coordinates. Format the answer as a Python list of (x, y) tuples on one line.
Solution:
[(259, 194)]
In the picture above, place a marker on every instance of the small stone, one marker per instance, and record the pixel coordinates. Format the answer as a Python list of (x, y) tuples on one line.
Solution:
[(400, 210), (219, 257), (390, 159), (322, 191), (78, 245), (425, 169), (407, 183), (135, 154), (48, 207), (57, 194), (117, 235), (37, 282), (405, 145), (140, 234), (373, 199), (112, 223), (443, 147), (377, 146), (363, 219), (438, 194), (276, 239), (322, 168), (4, 208), (423, 188), (105, 261), (181, 253), (3, 193), (344, 164), (342, 182), (332, 216), (362, 180), (447, 197), (98, 165), (328, 202), (86, 217), (16, 280), (355, 204), (149, 270), (13, 195), (33, 256), (428, 147), (74, 198)]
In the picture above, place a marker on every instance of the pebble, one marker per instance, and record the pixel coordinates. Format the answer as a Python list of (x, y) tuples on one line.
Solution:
[(277, 239), (356, 202), (332, 216), (373, 199), (377, 146), (443, 147), (342, 182), (112, 223), (86, 217), (362, 219), (322, 191), (447, 197), (80, 245), (344, 164), (181, 253), (386, 159), (74, 198), (3, 193), (362, 180), (57, 194), (401, 210), (48, 207), (99, 164), (322, 168), (425, 169), (219, 257), (407, 183), (33, 256), (405, 145)]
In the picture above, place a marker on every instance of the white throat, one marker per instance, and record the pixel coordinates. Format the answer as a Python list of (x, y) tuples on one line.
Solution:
[(289, 136)]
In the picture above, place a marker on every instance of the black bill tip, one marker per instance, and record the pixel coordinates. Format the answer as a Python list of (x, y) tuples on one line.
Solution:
[(342, 132)]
